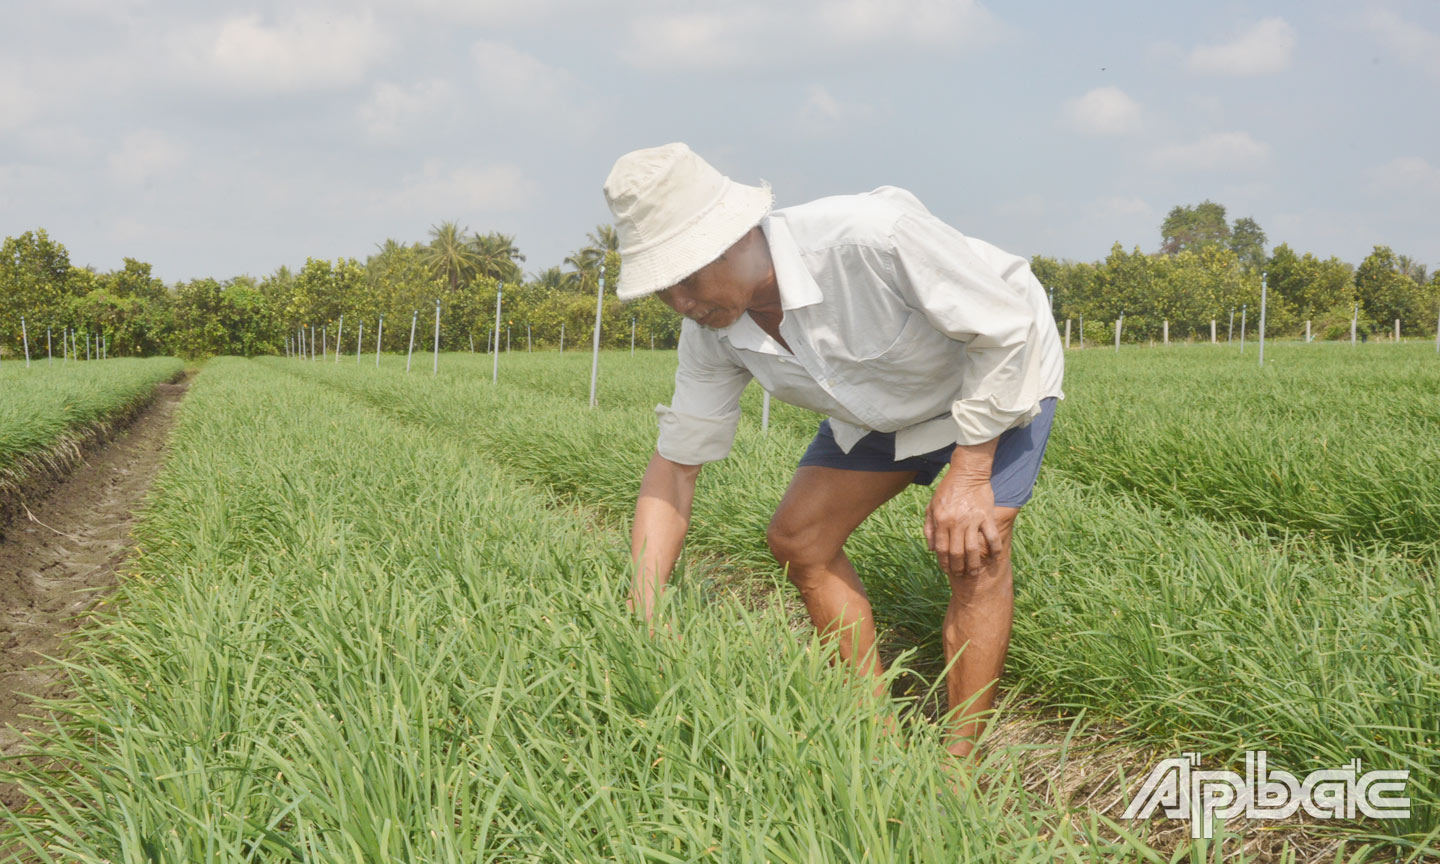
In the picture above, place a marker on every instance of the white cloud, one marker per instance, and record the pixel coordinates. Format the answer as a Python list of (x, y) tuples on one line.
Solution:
[(1164, 51), (1218, 151), (17, 102), (394, 109), (1406, 40), (306, 51), (756, 34), (112, 9), (490, 13), (1103, 111), (1261, 49), (143, 156), (691, 39), (8, 195), (1408, 175), (1027, 207), (128, 232), (59, 141), (823, 114), (463, 190), (510, 77), (1121, 206), (925, 22)]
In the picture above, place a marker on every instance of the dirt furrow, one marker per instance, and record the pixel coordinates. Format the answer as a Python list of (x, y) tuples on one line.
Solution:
[(62, 551)]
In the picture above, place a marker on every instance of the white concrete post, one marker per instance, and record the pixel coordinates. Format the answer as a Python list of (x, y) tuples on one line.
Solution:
[(410, 354), (495, 363), (1263, 292), (595, 358)]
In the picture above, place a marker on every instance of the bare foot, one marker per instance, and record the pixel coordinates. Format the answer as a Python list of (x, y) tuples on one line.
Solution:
[(959, 776)]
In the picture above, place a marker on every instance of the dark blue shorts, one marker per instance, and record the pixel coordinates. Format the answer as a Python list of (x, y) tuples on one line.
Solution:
[(1017, 457)]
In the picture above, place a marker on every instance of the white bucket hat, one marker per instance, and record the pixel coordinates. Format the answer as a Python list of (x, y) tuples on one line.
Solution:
[(675, 213)]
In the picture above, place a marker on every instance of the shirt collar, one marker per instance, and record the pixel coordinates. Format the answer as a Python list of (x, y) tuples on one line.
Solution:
[(797, 288)]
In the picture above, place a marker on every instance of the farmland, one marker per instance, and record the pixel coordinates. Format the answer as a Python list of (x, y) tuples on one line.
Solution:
[(379, 616), (48, 412)]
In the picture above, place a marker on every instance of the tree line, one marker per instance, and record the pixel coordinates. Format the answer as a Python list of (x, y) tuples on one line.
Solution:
[(140, 315), (1205, 268)]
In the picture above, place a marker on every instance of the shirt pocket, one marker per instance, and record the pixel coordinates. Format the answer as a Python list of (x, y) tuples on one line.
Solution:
[(920, 369)]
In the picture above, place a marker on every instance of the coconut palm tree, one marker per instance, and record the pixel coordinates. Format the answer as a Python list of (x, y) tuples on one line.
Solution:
[(391, 246), (1414, 269), (605, 238), (496, 255), (449, 254), (585, 266), (553, 279), (588, 260)]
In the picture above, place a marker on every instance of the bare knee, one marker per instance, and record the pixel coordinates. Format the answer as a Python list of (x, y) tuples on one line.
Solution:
[(798, 546), (995, 576)]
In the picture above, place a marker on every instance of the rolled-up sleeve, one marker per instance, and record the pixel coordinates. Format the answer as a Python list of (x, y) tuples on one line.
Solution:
[(965, 296), (698, 425)]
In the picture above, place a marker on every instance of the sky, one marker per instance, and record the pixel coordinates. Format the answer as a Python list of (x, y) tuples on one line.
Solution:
[(221, 139)]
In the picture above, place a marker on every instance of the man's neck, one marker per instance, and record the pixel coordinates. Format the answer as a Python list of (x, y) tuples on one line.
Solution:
[(765, 300), (765, 307)]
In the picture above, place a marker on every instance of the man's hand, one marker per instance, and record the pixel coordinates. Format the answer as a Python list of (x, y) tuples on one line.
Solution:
[(960, 523), (662, 516)]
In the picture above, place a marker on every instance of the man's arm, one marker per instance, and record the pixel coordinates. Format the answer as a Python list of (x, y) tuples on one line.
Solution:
[(960, 521), (985, 301), (662, 516)]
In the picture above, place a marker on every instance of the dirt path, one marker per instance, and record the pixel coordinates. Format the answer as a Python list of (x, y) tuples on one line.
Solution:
[(64, 553)]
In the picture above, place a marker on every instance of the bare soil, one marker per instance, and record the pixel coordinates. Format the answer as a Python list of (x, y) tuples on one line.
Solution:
[(65, 542)]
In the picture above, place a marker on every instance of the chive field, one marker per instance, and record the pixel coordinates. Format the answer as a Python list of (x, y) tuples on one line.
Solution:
[(47, 410), (380, 616)]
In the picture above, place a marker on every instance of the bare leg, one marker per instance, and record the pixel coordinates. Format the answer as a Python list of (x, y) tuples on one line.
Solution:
[(821, 508), (978, 619)]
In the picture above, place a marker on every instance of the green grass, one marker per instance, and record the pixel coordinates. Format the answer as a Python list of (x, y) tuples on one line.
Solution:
[(47, 409), (349, 638), (1196, 629), (1327, 440), (380, 616)]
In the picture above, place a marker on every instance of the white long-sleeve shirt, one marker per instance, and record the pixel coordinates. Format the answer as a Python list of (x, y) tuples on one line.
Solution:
[(897, 323)]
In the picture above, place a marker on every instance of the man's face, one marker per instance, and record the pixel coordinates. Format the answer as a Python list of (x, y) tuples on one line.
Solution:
[(712, 296)]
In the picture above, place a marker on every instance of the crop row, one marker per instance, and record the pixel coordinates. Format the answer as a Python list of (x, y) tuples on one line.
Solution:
[(1192, 631), (350, 638), (46, 412), (1326, 440)]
